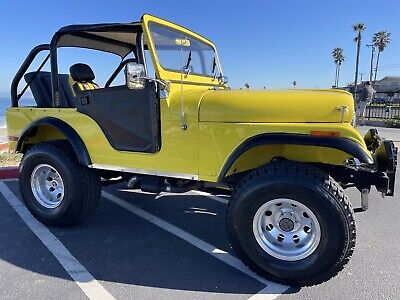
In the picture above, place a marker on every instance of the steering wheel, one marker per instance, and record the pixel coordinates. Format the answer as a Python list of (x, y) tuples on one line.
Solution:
[(118, 69)]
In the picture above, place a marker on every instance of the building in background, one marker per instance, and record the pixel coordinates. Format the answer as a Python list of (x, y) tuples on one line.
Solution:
[(387, 89)]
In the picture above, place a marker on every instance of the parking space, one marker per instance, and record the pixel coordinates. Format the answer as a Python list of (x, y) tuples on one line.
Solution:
[(142, 246), (27, 268)]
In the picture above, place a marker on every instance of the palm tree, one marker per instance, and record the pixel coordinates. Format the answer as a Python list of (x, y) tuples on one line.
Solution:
[(358, 28), (338, 58), (380, 39), (350, 86)]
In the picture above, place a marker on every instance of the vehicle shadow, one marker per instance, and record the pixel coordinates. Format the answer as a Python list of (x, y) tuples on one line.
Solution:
[(116, 246)]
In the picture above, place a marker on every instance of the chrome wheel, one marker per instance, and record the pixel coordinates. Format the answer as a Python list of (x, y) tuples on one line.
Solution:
[(286, 229), (47, 186)]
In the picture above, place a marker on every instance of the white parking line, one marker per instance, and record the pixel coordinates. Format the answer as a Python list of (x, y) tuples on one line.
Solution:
[(271, 291), (264, 294), (9, 179), (267, 293), (88, 284), (213, 197)]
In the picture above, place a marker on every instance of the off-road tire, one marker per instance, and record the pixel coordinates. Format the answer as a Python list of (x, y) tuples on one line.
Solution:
[(82, 185), (311, 187)]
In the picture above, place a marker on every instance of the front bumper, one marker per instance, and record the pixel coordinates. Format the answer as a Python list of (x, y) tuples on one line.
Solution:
[(381, 173), (385, 160)]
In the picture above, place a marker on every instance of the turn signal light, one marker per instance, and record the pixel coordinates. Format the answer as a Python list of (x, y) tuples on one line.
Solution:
[(325, 133)]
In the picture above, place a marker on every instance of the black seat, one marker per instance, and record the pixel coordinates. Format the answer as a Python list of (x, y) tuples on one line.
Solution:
[(83, 76), (41, 89)]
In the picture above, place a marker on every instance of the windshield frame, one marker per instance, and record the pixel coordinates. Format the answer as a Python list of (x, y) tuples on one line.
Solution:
[(187, 52), (174, 75)]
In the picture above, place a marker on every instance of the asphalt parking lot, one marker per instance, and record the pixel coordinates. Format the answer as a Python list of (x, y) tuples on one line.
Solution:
[(142, 246)]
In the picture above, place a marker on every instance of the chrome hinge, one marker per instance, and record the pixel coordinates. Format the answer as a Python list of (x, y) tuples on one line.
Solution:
[(183, 121), (343, 111), (163, 94)]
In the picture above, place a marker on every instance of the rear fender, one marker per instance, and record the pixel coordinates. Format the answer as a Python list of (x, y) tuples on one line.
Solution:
[(58, 129)]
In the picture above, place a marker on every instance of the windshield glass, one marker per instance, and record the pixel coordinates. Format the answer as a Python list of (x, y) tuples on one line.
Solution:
[(178, 52)]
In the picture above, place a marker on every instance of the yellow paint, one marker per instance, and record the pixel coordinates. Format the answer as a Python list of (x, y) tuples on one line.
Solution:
[(218, 122), (262, 155), (218, 140), (301, 106), (178, 153)]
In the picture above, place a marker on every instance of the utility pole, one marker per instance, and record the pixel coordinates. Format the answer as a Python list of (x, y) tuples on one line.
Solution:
[(361, 75), (372, 46)]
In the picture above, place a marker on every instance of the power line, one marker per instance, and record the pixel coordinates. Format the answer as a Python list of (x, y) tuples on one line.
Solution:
[(391, 66)]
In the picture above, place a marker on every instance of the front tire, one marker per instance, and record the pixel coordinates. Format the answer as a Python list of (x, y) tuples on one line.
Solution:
[(291, 223), (56, 189)]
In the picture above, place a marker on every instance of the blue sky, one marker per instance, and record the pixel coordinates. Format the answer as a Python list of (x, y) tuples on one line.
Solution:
[(265, 43)]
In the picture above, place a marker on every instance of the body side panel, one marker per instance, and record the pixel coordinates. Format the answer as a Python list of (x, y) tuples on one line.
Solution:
[(201, 150), (179, 149), (219, 140)]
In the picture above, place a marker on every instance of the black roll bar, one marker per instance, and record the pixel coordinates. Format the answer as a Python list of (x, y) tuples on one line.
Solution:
[(52, 47), (140, 50), (54, 70), (33, 77), (24, 67)]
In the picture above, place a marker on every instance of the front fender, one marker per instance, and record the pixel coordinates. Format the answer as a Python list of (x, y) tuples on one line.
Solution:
[(342, 144)]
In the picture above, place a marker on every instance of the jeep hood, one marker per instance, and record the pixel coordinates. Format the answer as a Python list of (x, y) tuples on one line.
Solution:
[(287, 106)]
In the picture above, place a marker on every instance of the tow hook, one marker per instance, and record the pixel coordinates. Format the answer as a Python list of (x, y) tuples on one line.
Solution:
[(364, 199)]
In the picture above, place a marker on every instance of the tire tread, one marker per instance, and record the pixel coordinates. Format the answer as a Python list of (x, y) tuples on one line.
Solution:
[(331, 186), (89, 184)]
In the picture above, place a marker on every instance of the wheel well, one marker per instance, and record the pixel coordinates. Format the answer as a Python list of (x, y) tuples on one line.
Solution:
[(262, 149), (53, 130)]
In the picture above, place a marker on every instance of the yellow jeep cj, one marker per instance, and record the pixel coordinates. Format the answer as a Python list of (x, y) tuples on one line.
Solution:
[(284, 157)]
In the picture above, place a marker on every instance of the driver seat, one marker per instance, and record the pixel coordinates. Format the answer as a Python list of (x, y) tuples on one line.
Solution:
[(83, 76)]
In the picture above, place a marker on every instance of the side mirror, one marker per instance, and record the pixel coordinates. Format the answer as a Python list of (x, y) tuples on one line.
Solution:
[(134, 76)]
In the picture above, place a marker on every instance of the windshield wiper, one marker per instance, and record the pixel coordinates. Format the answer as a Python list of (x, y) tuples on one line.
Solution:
[(213, 67), (189, 60)]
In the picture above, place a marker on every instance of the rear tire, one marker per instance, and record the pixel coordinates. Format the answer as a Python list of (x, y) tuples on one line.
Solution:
[(291, 223), (56, 189)]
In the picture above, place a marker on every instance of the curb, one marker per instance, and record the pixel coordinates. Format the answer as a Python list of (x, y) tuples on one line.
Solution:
[(4, 146), (9, 172), (378, 123)]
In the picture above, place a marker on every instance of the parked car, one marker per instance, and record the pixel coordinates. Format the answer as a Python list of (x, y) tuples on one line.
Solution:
[(285, 157)]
